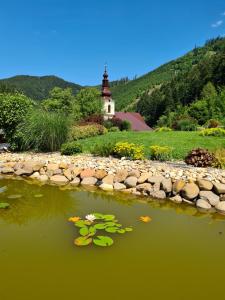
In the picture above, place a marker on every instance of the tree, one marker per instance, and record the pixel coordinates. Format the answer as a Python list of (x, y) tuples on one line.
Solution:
[(90, 102), (13, 110)]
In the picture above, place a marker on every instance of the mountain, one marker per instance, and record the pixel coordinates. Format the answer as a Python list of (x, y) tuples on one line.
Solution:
[(126, 93), (37, 88)]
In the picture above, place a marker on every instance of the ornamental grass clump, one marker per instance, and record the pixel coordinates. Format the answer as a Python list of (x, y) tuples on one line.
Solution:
[(129, 150), (219, 158), (219, 132), (94, 223), (84, 131), (161, 153)]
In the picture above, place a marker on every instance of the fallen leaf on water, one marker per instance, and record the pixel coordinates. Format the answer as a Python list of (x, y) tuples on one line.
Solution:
[(145, 219), (74, 219)]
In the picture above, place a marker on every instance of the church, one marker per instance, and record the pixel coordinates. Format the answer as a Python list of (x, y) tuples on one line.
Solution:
[(136, 120)]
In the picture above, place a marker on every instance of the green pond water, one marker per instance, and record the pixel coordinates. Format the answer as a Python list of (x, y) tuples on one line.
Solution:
[(180, 254)]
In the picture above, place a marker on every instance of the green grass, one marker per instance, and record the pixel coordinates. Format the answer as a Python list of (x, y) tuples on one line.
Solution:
[(181, 141)]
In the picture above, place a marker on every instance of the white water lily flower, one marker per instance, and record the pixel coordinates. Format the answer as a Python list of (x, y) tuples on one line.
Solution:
[(90, 218)]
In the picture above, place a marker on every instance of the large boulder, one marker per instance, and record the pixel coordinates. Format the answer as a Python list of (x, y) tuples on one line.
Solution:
[(176, 199), (144, 187), (134, 173), (144, 177), (131, 182), (178, 186), (7, 170), (106, 187), (75, 182), (219, 188), (158, 194), (100, 174), (109, 179), (89, 181), (59, 179), (212, 198), (204, 185), (204, 204), (52, 167), (167, 185), (68, 174), (220, 207), (155, 179), (119, 186), (87, 173), (190, 191), (24, 172), (121, 176)]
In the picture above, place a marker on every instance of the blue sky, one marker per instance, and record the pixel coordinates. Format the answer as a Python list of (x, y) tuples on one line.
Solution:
[(74, 38)]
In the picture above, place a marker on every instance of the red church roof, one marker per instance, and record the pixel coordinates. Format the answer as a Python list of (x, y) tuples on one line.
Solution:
[(136, 120)]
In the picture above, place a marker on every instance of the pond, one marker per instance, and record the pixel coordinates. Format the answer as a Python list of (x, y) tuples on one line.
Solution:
[(178, 255)]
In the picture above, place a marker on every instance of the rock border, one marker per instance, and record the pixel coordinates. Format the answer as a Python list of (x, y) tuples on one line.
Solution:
[(203, 188)]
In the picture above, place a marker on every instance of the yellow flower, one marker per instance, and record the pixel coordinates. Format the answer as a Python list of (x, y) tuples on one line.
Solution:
[(145, 219), (74, 219)]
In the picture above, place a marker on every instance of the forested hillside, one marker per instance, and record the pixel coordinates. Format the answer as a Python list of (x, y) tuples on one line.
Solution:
[(126, 93), (35, 87), (200, 88)]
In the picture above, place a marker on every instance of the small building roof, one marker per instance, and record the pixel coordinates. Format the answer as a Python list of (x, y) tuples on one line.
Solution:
[(136, 120)]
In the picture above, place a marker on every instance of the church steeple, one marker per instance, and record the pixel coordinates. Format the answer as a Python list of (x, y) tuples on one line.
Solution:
[(106, 93)]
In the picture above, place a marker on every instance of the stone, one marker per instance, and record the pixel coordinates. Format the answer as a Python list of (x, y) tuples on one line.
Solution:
[(134, 173), (209, 196), (144, 187), (178, 186), (155, 179), (57, 172), (220, 207), (26, 172), (204, 204), (76, 171), (158, 194), (52, 167), (167, 185), (87, 173), (43, 178), (59, 179), (131, 182), (129, 191), (42, 171), (144, 177), (7, 170), (222, 197), (121, 176), (18, 166), (100, 174), (190, 191), (89, 181), (109, 179), (156, 187), (106, 187), (34, 165), (68, 174), (119, 186), (219, 188), (35, 175), (50, 173), (176, 199), (75, 182), (188, 201), (204, 185), (63, 165)]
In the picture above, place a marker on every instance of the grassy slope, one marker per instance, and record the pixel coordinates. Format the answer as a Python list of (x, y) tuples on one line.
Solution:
[(36, 87), (181, 142), (125, 94)]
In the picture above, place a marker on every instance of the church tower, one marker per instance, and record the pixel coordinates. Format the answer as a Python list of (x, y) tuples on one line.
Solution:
[(108, 102)]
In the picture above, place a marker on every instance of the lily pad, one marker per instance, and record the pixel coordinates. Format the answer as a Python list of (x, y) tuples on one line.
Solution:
[(121, 231), (128, 229), (92, 231), (3, 189), (98, 216), (100, 226), (4, 205), (103, 241), (82, 241), (108, 217), (84, 231), (111, 229), (80, 223)]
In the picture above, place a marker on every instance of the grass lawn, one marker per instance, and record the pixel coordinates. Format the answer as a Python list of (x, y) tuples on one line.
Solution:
[(181, 141)]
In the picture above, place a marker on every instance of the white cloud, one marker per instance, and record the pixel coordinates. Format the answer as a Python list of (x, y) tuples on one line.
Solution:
[(217, 24)]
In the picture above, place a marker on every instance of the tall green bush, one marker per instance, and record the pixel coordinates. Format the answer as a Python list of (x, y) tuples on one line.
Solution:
[(44, 131)]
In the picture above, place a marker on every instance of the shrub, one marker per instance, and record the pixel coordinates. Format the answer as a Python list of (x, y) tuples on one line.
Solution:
[(161, 153), (13, 111), (114, 129), (96, 119), (187, 124), (213, 123), (71, 148), (43, 131), (85, 131), (125, 125), (116, 122), (213, 132), (108, 124), (162, 129), (219, 158), (132, 151), (200, 158), (106, 149)]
